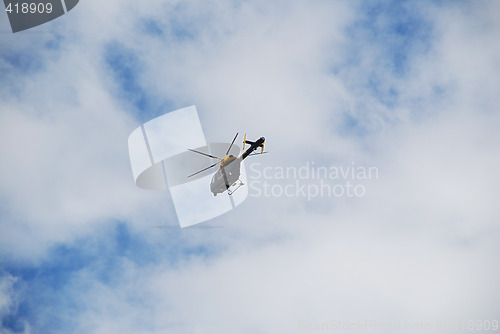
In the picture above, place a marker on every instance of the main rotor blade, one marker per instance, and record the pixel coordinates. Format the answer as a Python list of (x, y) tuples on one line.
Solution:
[(257, 153), (229, 149), (205, 154), (204, 169)]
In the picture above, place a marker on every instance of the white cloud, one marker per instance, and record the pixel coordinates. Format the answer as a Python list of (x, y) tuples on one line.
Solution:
[(64, 141)]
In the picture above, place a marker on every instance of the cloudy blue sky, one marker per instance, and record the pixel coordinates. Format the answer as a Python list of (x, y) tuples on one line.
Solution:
[(409, 87)]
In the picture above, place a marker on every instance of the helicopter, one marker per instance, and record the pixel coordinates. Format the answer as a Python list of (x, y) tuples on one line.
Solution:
[(228, 173)]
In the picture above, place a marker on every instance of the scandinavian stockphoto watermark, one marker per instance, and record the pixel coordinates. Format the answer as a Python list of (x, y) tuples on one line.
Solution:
[(310, 180)]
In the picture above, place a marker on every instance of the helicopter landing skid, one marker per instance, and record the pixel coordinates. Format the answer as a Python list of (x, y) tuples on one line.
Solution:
[(237, 185)]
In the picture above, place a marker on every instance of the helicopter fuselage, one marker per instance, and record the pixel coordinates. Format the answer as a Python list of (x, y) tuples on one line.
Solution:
[(226, 176), (229, 169)]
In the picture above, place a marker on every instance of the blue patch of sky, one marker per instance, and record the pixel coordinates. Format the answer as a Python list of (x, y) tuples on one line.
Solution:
[(28, 58), (12, 324), (22, 62), (398, 30), (16, 67), (175, 29), (152, 27), (173, 25), (178, 23), (47, 290), (126, 68), (19, 61), (182, 32), (351, 125), (55, 42), (186, 24), (393, 33)]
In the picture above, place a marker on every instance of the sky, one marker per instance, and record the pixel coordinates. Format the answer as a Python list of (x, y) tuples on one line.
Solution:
[(410, 88)]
